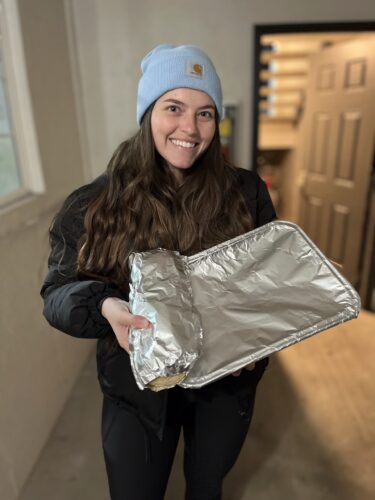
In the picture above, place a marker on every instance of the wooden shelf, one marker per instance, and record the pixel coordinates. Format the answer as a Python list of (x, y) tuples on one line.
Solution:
[(276, 135)]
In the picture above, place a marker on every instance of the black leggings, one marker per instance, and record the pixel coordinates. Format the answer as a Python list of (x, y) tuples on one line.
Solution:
[(138, 464)]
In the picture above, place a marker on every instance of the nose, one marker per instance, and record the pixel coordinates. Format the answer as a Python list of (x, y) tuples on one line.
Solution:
[(188, 124)]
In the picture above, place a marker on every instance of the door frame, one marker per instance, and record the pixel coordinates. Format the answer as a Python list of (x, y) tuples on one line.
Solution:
[(272, 29)]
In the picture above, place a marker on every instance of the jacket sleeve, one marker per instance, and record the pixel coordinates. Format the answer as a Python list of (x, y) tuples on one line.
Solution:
[(71, 304)]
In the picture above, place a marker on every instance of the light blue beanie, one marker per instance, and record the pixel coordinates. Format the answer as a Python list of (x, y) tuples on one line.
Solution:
[(167, 67)]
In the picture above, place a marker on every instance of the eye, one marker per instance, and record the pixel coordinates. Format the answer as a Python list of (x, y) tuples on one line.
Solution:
[(173, 108), (206, 114)]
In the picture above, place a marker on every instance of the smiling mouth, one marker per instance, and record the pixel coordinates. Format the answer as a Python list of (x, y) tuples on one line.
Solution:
[(183, 144)]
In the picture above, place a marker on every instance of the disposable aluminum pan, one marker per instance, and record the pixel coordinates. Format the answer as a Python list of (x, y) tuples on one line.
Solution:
[(256, 294)]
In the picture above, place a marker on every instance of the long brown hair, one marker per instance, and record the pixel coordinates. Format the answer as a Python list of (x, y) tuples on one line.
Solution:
[(140, 207)]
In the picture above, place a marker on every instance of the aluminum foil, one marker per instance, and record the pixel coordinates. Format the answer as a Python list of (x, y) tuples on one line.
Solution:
[(254, 295), (160, 290)]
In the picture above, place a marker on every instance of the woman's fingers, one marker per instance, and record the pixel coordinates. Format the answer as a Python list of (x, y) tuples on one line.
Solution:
[(122, 330), (249, 367), (116, 311), (135, 321)]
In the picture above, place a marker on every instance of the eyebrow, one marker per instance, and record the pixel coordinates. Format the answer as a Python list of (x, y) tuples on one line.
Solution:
[(175, 101)]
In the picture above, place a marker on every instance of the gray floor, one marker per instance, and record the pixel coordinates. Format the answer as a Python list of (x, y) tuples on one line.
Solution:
[(312, 437)]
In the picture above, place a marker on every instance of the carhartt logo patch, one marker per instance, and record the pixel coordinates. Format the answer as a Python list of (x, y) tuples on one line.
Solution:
[(194, 69)]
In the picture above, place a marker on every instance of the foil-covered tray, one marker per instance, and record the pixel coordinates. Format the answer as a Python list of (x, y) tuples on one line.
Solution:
[(252, 295)]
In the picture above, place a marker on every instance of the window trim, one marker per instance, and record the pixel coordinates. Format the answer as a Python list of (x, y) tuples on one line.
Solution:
[(30, 167)]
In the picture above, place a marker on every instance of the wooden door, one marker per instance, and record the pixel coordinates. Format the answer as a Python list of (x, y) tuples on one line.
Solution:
[(337, 149)]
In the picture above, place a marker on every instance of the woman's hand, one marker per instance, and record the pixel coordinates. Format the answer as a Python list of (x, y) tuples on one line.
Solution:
[(116, 312), (249, 367)]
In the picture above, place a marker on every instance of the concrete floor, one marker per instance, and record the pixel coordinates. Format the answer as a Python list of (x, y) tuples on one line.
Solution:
[(312, 436)]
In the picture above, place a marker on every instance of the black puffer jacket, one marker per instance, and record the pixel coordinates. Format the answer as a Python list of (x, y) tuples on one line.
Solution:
[(72, 307)]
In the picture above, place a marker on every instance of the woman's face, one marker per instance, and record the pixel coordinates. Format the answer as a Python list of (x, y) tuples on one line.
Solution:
[(183, 126)]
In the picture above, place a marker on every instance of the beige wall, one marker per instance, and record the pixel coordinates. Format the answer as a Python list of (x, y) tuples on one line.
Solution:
[(106, 40), (38, 365)]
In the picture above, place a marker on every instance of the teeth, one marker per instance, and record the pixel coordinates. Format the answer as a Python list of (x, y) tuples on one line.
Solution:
[(183, 144)]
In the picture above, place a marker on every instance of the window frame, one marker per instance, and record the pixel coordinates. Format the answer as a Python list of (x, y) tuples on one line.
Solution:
[(20, 107)]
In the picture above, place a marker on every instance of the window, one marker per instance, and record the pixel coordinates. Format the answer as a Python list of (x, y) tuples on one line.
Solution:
[(10, 179), (20, 169)]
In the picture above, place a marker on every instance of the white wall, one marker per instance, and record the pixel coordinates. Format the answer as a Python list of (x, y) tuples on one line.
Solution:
[(38, 365), (127, 30)]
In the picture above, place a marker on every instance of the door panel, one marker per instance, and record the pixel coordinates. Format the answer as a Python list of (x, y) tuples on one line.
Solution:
[(337, 146), (319, 144), (338, 229), (350, 124), (313, 209)]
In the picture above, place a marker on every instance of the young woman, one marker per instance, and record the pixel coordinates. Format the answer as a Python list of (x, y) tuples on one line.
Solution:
[(168, 186)]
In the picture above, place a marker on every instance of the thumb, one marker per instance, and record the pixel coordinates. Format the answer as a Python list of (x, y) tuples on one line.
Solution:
[(140, 322)]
